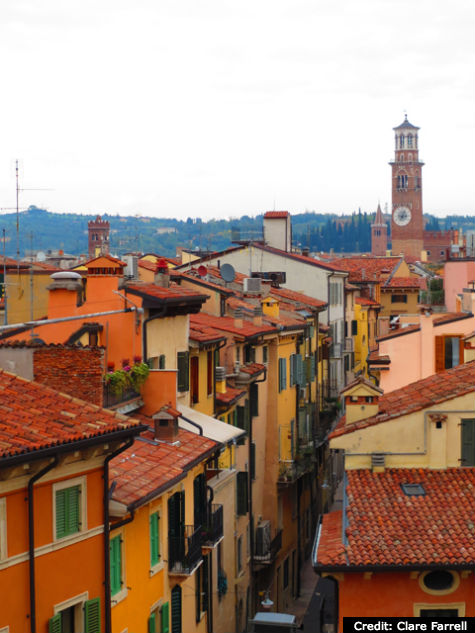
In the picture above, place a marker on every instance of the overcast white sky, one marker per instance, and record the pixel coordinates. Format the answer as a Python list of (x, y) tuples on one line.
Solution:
[(216, 108)]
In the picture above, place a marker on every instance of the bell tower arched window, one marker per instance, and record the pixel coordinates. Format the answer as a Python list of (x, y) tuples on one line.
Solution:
[(409, 140), (401, 141)]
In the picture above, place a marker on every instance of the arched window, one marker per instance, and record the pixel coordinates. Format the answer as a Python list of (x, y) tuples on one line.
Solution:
[(409, 140), (401, 141)]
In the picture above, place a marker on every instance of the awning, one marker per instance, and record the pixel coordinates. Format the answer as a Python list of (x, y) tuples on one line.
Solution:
[(212, 428)]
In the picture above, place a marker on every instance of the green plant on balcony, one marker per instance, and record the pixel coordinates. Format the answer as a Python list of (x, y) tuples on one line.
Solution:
[(128, 377), (117, 381), (138, 375)]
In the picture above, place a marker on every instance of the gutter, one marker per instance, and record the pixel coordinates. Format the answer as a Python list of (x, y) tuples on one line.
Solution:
[(31, 539), (107, 573)]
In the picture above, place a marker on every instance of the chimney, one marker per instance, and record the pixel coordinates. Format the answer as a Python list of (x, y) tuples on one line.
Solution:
[(162, 275), (238, 317), (270, 307), (306, 251), (257, 318), (361, 399), (166, 423), (220, 379)]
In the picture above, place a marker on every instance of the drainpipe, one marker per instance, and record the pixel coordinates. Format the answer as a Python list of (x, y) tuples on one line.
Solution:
[(107, 574), (200, 428), (251, 517), (210, 571), (31, 539)]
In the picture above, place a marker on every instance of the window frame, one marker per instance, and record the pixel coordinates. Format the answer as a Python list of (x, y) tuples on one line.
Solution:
[(158, 564), (82, 514)]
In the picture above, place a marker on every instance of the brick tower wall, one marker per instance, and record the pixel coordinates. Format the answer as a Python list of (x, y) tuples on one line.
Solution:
[(98, 237)]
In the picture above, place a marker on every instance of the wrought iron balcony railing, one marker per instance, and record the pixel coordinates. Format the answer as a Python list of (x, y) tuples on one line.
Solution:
[(212, 532), (184, 551)]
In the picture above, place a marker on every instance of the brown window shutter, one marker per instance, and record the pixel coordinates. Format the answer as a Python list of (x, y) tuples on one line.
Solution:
[(439, 354), (461, 351)]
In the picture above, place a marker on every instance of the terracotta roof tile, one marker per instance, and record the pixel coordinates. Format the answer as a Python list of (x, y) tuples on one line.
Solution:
[(276, 214), (451, 316), (298, 297), (33, 417), (399, 332), (227, 324), (418, 395), (147, 466), (387, 527), (302, 258), (204, 333), (230, 396), (158, 292), (367, 269), (252, 368), (403, 282), (363, 301)]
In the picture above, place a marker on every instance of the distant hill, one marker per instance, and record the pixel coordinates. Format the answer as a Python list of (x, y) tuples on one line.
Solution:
[(43, 230)]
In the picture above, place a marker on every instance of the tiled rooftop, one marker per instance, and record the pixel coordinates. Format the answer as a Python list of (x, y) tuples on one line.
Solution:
[(399, 332), (252, 368), (451, 316), (302, 258), (276, 214), (403, 282), (363, 301), (227, 324), (204, 333), (387, 527), (34, 417), (367, 269), (298, 297), (230, 396), (418, 395), (148, 466), (158, 292)]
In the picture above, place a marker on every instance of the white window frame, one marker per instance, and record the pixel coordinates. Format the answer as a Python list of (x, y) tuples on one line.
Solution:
[(70, 483), (78, 603)]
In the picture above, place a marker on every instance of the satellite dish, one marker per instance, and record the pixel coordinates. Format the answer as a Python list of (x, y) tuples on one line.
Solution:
[(202, 271), (227, 272), (40, 256)]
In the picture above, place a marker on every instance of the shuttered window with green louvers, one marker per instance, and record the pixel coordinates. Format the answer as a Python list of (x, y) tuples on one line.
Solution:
[(54, 624), (152, 623), (154, 539), (92, 616), (116, 564), (282, 374), (176, 609), (68, 511), (183, 366), (165, 618)]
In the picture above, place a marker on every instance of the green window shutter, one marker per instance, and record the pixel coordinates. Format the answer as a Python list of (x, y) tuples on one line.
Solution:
[(161, 361), (247, 416), (468, 442), (92, 616), (252, 468), (241, 485), (165, 618), (240, 416), (283, 373), (299, 369), (152, 623), (292, 370), (183, 362), (54, 625), (115, 565), (154, 539), (67, 511), (176, 609), (312, 368), (254, 394)]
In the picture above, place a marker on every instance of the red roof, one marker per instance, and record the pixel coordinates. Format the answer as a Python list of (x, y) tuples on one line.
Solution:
[(367, 269), (230, 396), (363, 301), (227, 324), (276, 214), (34, 417), (451, 316), (298, 297), (252, 368), (147, 466), (301, 258), (399, 332), (387, 527), (158, 292), (418, 395), (204, 333), (403, 282)]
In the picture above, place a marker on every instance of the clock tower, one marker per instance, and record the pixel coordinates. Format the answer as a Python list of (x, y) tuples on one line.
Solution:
[(406, 221)]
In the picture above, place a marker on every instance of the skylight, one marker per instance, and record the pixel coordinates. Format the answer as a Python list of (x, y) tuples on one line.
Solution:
[(413, 490)]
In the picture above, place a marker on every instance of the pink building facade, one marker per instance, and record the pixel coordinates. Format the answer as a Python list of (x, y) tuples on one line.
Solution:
[(458, 273)]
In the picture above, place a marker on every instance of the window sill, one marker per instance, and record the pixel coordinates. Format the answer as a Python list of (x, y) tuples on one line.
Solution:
[(118, 597), (156, 568)]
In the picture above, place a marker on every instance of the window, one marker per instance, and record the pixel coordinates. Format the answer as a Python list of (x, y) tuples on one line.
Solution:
[(468, 442), (176, 609), (199, 500), (209, 373), (195, 379), (241, 489), (183, 366), (254, 399), (282, 374), (249, 354), (448, 352), (161, 361), (409, 140), (265, 354), (116, 564), (252, 466), (198, 582), (297, 374), (354, 327), (438, 580), (154, 539), (285, 579), (77, 614), (398, 298), (239, 555), (69, 506)]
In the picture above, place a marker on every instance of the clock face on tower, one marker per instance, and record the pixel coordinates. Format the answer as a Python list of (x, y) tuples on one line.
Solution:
[(402, 216)]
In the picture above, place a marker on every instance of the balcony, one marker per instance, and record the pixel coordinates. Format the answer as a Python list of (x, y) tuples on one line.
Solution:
[(266, 548), (184, 551), (290, 471), (125, 402), (212, 532), (349, 344)]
